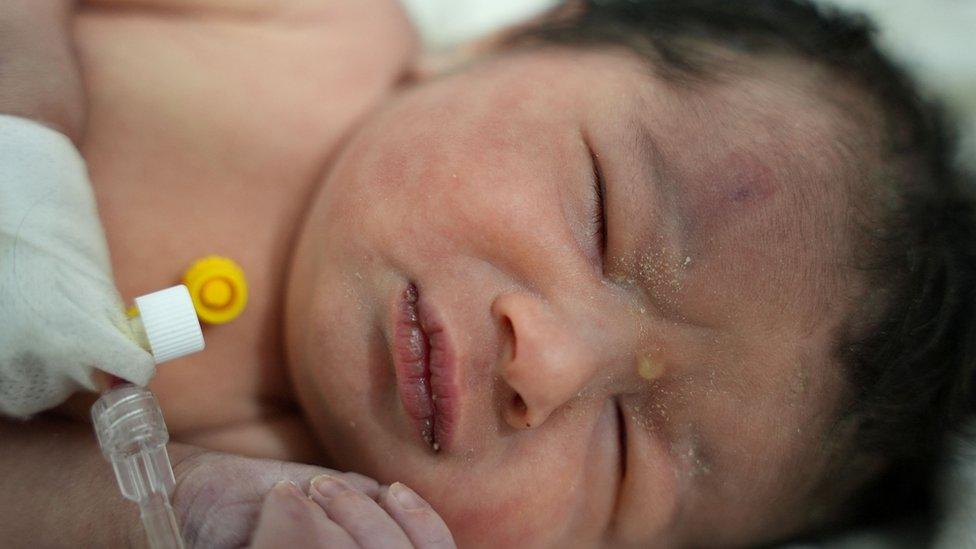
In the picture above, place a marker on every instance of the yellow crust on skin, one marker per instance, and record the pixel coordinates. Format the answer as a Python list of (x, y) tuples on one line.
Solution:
[(649, 369)]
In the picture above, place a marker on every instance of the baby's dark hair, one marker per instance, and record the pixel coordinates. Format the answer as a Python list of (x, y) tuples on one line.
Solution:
[(912, 366)]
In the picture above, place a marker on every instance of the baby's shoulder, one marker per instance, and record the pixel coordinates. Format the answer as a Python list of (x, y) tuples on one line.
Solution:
[(191, 69)]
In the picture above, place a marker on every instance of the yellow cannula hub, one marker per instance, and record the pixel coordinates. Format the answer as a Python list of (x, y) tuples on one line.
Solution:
[(218, 289)]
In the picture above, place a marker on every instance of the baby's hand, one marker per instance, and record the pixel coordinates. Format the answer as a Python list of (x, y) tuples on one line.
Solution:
[(336, 514), (218, 502)]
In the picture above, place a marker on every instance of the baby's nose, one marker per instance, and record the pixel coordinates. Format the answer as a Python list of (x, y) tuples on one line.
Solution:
[(549, 357)]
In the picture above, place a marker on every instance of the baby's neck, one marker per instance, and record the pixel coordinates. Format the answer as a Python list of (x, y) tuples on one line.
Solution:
[(156, 227), (206, 137)]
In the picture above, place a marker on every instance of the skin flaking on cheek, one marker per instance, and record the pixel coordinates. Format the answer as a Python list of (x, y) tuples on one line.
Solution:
[(657, 271), (648, 368)]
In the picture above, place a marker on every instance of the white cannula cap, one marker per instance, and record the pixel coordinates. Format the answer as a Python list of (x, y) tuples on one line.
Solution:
[(171, 323)]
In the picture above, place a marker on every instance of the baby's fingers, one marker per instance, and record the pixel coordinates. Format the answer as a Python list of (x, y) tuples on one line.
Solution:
[(424, 527), (289, 519), (358, 514)]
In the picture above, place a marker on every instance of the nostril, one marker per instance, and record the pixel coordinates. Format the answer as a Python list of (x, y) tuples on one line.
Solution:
[(520, 409), (519, 404), (508, 334)]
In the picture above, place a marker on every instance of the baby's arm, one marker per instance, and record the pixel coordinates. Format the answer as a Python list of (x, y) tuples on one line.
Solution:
[(52, 478), (39, 78), (56, 490)]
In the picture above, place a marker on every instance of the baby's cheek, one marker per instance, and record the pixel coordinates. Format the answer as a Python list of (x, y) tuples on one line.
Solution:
[(763, 436), (503, 513)]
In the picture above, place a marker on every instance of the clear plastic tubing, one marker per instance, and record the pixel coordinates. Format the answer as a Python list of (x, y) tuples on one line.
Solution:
[(129, 423), (133, 437)]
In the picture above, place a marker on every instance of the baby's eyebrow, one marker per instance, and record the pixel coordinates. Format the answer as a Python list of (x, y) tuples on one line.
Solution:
[(649, 160), (651, 156)]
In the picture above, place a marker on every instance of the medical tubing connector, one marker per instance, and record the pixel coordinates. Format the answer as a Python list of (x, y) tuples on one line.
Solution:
[(129, 423), (133, 437)]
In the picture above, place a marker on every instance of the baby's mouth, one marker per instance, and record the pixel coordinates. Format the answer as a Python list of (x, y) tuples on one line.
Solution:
[(425, 389)]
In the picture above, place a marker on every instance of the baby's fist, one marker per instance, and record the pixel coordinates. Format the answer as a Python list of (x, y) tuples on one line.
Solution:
[(336, 514)]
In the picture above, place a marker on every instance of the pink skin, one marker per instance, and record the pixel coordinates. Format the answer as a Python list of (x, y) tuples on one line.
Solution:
[(722, 249)]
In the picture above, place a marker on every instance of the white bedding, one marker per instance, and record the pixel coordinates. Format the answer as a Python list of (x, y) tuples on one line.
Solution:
[(934, 39)]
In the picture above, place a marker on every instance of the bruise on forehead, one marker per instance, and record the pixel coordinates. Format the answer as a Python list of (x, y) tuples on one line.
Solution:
[(762, 211), (740, 183)]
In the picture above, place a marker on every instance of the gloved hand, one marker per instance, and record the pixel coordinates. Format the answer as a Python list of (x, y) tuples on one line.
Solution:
[(62, 317)]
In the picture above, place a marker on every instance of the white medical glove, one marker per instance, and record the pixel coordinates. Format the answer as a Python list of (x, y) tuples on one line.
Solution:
[(61, 316)]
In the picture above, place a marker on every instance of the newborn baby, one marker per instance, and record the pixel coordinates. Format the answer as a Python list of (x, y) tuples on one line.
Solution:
[(617, 280)]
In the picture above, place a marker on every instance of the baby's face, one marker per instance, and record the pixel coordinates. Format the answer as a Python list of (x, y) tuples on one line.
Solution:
[(672, 385)]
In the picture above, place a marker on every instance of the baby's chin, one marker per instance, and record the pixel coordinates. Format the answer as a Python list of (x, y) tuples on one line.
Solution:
[(479, 511)]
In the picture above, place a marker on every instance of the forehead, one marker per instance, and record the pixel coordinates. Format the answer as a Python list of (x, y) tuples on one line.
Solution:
[(755, 172)]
